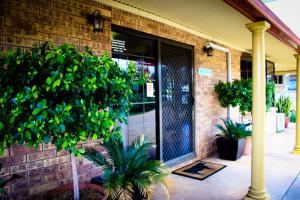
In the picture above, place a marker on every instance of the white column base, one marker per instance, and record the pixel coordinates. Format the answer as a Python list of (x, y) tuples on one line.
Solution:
[(257, 195)]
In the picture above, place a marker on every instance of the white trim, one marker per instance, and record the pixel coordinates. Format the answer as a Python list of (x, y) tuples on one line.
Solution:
[(140, 12)]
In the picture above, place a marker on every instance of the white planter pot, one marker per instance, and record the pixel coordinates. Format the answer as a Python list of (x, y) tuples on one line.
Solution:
[(280, 120), (271, 121)]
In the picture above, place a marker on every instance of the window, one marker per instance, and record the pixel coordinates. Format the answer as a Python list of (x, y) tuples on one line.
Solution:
[(246, 68), (292, 83), (129, 48), (278, 79)]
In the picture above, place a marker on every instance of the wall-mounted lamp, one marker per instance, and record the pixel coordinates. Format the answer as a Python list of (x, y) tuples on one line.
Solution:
[(208, 50), (97, 20)]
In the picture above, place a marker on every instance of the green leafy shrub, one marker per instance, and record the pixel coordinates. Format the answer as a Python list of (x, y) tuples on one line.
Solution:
[(128, 174), (61, 95), (233, 130), (239, 93), (270, 92), (293, 116), (226, 94)]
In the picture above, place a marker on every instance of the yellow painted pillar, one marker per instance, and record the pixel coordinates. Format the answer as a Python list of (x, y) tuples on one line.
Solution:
[(257, 190), (297, 145)]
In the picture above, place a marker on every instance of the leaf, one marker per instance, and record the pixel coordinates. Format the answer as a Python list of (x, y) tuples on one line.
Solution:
[(94, 137), (43, 102), (45, 114), (75, 68), (35, 95), (69, 107), (49, 81), (93, 80), (56, 83), (36, 111), (62, 128), (27, 135), (65, 144), (49, 55), (1, 125), (60, 59), (82, 151), (46, 139)]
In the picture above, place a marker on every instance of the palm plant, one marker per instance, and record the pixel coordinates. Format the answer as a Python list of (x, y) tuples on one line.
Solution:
[(128, 173), (233, 130)]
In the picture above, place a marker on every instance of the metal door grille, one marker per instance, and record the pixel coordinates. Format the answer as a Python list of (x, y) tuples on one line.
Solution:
[(176, 100)]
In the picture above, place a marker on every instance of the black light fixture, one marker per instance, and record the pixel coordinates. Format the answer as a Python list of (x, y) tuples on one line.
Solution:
[(208, 50), (97, 20)]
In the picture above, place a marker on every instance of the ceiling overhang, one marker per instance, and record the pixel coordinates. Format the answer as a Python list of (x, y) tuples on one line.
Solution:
[(222, 22), (256, 10)]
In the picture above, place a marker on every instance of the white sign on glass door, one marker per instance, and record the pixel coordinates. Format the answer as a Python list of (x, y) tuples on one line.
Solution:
[(150, 90)]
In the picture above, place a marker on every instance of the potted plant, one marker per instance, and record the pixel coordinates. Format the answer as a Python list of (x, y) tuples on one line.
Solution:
[(61, 95), (128, 173), (286, 108), (248, 143), (88, 191), (280, 115), (231, 142), (239, 93)]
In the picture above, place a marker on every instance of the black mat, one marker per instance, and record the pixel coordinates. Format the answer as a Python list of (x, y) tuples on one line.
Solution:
[(199, 170)]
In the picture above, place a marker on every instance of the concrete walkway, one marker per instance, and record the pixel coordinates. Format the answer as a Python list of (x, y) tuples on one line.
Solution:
[(232, 182), (294, 191)]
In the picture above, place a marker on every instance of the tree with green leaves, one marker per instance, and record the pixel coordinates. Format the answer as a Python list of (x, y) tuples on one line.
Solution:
[(61, 95), (239, 93)]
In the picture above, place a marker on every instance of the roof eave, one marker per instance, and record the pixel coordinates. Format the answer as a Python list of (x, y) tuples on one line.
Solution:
[(255, 10)]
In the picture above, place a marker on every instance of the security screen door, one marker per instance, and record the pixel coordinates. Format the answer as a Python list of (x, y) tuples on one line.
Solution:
[(176, 101)]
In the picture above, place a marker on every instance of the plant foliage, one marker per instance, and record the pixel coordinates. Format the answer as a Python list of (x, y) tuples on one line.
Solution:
[(233, 130), (239, 93), (127, 172), (293, 116), (61, 95), (283, 105)]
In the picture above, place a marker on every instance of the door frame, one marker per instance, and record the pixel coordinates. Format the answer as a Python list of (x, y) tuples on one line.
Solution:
[(158, 40)]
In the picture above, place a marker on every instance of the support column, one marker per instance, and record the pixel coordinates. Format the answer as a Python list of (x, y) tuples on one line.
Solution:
[(257, 190), (297, 145)]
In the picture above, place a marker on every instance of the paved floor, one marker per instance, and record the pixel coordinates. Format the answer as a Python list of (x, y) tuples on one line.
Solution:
[(294, 191), (232, 182)]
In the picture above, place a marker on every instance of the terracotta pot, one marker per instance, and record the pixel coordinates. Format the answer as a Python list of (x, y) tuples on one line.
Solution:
[(286, 122), (248, 146), (83, 186)]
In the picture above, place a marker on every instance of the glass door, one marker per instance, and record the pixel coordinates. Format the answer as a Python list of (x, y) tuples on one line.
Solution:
[(176, 101)]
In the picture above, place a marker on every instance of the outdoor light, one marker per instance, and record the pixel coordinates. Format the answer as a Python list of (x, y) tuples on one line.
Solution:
[(97, 20), (208, 50)]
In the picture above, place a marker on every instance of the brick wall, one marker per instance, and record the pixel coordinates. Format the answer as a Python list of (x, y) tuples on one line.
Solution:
[(24, 23)]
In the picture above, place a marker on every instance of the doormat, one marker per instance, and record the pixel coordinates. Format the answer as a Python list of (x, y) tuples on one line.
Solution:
[(199, 170)]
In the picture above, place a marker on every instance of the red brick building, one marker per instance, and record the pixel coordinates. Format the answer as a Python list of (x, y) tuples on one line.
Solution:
[(24, 23)]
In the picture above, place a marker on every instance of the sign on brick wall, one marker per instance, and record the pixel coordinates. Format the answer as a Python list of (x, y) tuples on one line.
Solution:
[(205, 72)]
